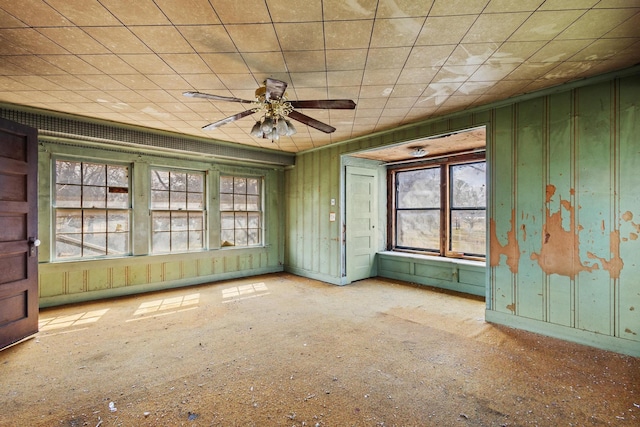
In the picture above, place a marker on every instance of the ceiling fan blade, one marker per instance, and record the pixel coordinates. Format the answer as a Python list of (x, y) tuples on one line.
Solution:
[(275, 89), (215, 97), (334, 104), (309, 121), (228, 120)]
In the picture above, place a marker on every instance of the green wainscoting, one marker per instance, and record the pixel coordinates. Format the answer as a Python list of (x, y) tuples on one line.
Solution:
[(563, 178), (453, 274), (70, 281)]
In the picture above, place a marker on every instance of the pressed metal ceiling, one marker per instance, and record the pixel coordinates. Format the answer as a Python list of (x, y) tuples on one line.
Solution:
[(401, 61)]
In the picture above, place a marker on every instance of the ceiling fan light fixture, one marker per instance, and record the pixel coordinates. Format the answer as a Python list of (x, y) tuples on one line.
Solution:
[(267, 125), (256, 130), (281, 126), (291, 129), (419, 152)]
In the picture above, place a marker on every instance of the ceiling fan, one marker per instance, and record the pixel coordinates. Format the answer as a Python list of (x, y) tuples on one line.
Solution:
[(272, 102)]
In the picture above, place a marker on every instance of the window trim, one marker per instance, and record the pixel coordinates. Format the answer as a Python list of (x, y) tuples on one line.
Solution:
[(55, 209), (169, 211), (444, 163), (262, 186)]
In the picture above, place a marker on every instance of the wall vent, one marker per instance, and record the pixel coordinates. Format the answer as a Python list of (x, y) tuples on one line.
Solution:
[(77, 128)]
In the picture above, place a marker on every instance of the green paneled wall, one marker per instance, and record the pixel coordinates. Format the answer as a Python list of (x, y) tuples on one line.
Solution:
[(62, 282), (564, 168)]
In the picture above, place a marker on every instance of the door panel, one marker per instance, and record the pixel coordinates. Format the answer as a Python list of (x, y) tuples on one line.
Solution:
[(18, 231), (361, 220)]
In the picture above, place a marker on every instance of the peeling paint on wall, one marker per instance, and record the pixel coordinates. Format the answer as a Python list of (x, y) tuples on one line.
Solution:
[(511, 249), (615, 264), (560, 253)]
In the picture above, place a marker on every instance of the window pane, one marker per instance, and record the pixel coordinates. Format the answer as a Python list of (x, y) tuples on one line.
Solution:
[(94, 197), (241, 237), (179, 240), (253, 186), (159, 199), (240, 185), (195, 201), (254, 220), (195, 240), (241, 220), (468, 185), (92, 230), (161, 221), (253, 237), (118, 221), (253, 203), (227, 221), (68, 221), (159, 180), (196, 221), (241, 211), (418, 229), (179, 221), (118, 176), (68, 172), (94, 221), (227, 237), (178, 200), (195, 183), (118, 244), (418, 189), (161, 242), (95, 244), (68, 245), (240, 203), (226, 184), (177, 181), (468, 231), (116, 198), (68, 195), (226, 202), (94, 174)]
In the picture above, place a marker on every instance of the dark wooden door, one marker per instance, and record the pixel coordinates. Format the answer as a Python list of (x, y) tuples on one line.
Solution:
[(18, 232)]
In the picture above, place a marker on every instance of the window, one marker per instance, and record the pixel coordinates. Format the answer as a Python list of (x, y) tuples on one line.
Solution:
[(92, 209), (440, 209), (240, 211), (177, 211)]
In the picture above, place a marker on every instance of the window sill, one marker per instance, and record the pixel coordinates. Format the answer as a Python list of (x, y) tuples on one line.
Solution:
[(435, 258)]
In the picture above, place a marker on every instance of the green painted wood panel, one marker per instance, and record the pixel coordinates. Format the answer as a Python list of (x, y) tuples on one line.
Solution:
[(593, 206), (98, 279), (530, 173), (628, 213), (560, 289), (502, 207)]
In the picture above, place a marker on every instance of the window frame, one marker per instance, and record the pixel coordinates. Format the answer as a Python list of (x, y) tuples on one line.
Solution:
[(261, 211), (445, 209), (169, 211), (57, 208)]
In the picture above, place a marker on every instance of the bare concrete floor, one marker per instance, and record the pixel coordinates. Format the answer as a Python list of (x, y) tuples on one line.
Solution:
[(279, 350)]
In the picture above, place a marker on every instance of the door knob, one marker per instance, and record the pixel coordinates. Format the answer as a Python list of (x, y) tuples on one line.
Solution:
[(34, 242)]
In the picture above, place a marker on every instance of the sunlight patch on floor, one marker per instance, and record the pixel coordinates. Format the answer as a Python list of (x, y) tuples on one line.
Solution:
[(238, 293), (168, 305), (59, 322)]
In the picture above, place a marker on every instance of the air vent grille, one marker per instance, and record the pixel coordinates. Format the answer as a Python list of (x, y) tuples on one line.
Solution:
[(77, 128)]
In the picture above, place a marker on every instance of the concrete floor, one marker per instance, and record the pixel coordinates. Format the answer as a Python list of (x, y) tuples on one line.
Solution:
[(287, 351)]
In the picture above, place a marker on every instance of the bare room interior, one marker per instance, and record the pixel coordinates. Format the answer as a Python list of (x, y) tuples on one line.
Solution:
[(319, 213)]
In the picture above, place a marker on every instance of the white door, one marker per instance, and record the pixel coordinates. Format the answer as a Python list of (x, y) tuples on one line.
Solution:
[(361, 220)]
